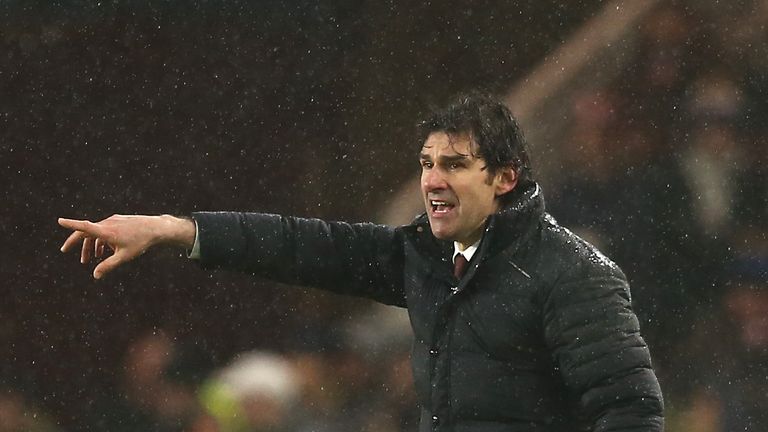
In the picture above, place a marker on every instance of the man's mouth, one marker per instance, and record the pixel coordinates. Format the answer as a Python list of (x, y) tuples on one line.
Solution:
[(440, 207)]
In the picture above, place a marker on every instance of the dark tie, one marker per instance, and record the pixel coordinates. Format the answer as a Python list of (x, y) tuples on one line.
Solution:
[(459, 266)]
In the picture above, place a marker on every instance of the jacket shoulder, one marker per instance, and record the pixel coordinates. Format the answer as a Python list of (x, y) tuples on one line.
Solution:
[(568, 256)]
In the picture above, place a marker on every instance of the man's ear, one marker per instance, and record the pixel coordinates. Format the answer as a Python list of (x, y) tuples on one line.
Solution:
[(506, 180)]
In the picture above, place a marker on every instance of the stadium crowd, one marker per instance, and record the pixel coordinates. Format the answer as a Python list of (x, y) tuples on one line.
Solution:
[(667, 173)]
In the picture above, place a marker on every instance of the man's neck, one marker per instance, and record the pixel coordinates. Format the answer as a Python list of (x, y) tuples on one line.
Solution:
[(472, 241)]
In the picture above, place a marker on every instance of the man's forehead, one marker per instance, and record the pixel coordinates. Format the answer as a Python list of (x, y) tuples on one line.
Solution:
[(449, 144)]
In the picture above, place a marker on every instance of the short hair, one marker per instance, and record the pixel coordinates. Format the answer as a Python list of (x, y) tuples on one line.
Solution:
[(491, 126)]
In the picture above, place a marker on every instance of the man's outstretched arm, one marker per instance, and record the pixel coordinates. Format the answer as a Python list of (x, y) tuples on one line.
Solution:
[(127, 236)]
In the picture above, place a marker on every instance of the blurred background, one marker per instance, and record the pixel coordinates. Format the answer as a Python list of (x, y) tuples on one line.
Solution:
[(646, 122)]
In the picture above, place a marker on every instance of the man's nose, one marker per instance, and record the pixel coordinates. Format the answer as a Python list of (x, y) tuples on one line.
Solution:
[(433, 180)]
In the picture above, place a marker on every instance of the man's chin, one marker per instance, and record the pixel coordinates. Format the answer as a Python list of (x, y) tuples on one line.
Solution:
[(441, 234)]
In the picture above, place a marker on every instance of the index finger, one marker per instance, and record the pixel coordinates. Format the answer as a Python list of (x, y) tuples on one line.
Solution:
[(85, 226)]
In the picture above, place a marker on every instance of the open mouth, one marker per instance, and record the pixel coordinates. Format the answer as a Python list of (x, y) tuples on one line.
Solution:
[(440, 207)]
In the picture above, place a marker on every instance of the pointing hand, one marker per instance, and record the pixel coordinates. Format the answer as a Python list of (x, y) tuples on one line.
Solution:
[(127, 236)]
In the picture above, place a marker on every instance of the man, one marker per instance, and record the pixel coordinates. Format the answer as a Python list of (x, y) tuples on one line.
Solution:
[(519, 325)]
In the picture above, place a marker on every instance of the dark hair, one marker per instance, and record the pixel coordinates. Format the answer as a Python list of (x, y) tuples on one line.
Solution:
[(491, 126)]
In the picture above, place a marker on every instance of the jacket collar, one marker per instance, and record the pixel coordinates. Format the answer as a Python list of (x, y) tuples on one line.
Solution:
[(516, 222)]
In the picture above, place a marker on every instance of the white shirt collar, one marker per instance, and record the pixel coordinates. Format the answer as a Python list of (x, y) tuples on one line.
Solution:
[(468, 252)]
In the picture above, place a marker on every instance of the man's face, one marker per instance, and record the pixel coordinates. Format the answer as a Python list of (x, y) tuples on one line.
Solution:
[(459, 193)]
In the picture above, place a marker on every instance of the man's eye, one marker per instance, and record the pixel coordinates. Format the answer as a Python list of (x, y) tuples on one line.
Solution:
[(454, 165), (426, 165)]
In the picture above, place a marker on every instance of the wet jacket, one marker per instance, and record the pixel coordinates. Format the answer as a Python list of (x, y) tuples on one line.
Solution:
[(538, 335)]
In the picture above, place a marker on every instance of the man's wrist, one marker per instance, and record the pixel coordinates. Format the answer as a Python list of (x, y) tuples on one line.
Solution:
[(177, 231)]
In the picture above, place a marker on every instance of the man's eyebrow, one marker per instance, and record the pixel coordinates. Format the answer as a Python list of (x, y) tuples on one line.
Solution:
[(454, 158), (445, 158)]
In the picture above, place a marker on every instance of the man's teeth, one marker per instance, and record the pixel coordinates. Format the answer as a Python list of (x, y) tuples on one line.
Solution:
[(440, 206)]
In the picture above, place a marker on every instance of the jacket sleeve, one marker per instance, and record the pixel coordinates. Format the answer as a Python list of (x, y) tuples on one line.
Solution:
[(595, 339), (363, 260)]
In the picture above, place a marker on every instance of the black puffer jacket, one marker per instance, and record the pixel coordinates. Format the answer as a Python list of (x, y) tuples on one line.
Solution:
[(539, 334)]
